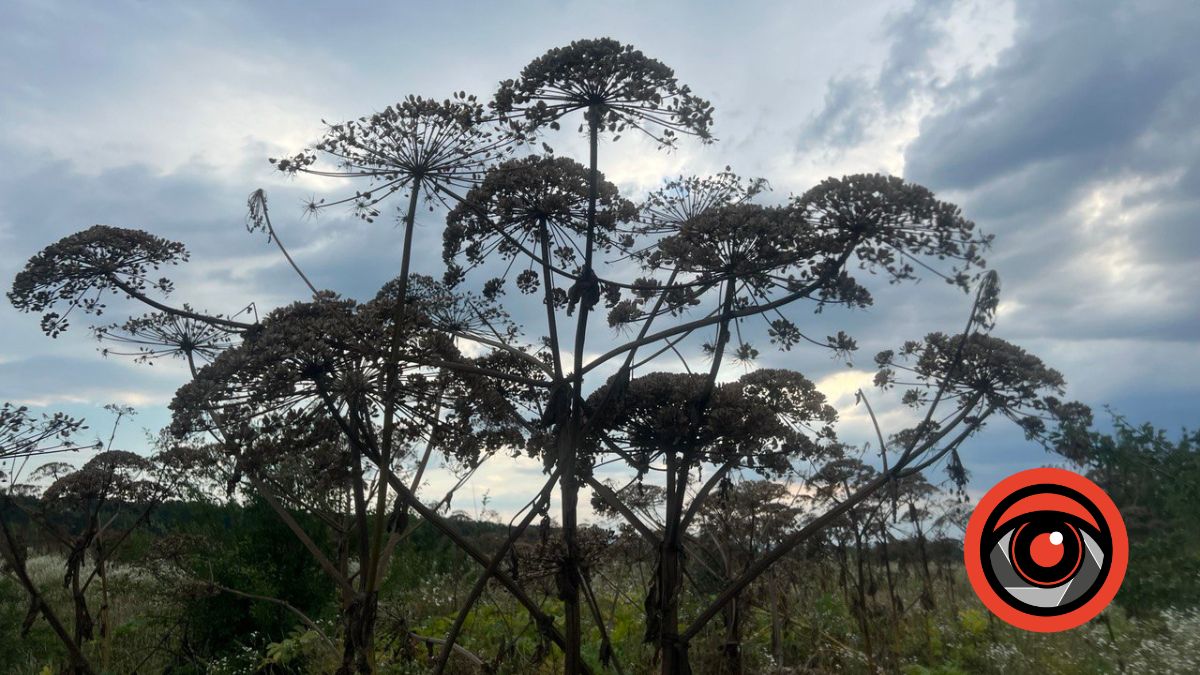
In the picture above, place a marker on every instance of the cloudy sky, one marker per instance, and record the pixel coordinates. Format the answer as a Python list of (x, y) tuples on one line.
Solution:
[(1067, 129)]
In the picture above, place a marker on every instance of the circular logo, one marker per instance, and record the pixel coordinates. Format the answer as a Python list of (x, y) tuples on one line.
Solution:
[(1046, 550)]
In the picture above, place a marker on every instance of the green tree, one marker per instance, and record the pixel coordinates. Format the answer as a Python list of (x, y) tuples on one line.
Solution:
[(1154, 480)]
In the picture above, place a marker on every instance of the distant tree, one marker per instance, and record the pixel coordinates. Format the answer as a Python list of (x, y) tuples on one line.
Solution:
[(240, 580), (1154, 480)]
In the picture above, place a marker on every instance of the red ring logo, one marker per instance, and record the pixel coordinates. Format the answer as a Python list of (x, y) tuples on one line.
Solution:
[(1046, 550)]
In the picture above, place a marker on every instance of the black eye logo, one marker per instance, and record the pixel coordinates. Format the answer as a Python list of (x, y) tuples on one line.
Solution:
[(1046, 552)]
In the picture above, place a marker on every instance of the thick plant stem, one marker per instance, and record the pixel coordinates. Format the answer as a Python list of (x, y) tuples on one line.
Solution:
[(361, 617), (544, 621), (669, 584), (926, 577), (777, 614), (390, 381), (731, 650), (670, 577), (551, 319), (569, 590), (860, 584), (335, 572), (105, 630)]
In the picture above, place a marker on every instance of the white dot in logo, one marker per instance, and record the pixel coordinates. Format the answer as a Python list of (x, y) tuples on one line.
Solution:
[(1056, 538)]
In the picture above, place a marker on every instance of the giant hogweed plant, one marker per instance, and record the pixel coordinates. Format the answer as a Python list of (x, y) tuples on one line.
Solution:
[(703, 264)]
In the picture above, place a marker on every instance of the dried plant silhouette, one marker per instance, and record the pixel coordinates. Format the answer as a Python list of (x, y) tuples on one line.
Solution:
[(333, 411)]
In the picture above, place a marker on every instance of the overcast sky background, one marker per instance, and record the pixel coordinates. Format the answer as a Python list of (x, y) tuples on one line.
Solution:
[(1067, 129)]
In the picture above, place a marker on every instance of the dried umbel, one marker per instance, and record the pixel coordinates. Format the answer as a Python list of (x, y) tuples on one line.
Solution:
[(432, 305), (714, 237), (669, 235), (416, 141), (972, 374), (641, 497), (891, 225), (196, 468), (113, 475), (480, 413), (530, 206), (159, 334), (979, 375), (752, 509), (79, 270), (759, 421), (314, 361), (544, 559), (749, 253), (1001, 374), (299, 347), (619, 86), (756, 246), (302, 450), (833, 479), (682, 199)]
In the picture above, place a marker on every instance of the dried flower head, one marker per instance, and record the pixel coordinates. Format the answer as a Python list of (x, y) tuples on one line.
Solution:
[(24, 434), (159, 334), (891, 225), (434, 305), (506, 213), (116, 475), (997, 373), (416, 141), (80, 269), (622, 88), (680, 200), (755, 245), (758, 421)]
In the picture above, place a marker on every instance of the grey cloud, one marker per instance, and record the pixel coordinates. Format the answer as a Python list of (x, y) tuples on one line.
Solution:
[(916, 35), (854, 103), (845, 115), (1085, 83), (1078, 149), (1086, 101)]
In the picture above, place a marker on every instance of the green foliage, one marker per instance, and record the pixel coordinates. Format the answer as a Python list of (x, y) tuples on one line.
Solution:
[(252, 553), (19, 654), (1155, 482), (302, 651), (821, 632)]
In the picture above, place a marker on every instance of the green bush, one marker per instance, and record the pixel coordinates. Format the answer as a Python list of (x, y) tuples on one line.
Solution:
[(254, 553)]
